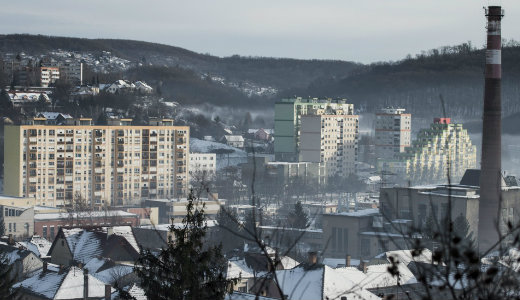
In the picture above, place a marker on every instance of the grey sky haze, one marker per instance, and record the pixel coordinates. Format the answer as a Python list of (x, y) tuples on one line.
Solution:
[(363, 31)]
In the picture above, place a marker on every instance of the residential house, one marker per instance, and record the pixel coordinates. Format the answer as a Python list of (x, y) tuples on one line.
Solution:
[(313, 282), (76, 246), (58, 283), (236, 141), (120, 86), (110, 272), (37, 245), (54, 118), (142, 87), (261, 134), (23, 262)]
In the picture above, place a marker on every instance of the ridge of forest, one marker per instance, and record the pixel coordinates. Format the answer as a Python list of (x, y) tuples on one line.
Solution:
[(416, 83)]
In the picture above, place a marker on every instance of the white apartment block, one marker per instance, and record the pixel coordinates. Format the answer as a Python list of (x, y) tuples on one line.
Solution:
[(392, 132), (49, 75), (107, 165), (331, 140), (444, 148), (202, 166)]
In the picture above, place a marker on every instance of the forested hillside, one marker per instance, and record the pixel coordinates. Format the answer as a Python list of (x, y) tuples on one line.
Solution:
[(280, 73), (456, 73)]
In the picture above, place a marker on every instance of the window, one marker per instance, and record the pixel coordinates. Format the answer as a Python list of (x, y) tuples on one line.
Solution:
[(44, 231)]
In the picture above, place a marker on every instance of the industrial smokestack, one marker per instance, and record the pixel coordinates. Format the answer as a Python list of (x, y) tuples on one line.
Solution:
[(490, 176)]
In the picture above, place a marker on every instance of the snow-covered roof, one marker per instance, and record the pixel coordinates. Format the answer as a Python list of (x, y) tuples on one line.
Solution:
[(288, 262), (255, 130), (38, 245), (83, 244), (359, 213), (67, 285), (13, 254), (237, 268), (234, 138), (137, 292), (127, 233), (321, 283), (405, 256), (53, 115), (16, 96), (238, 156), (245, 296), (378, 276), (143, 85)]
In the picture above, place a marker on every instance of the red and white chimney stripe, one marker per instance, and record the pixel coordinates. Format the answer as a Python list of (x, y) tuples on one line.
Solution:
[(494, 45)]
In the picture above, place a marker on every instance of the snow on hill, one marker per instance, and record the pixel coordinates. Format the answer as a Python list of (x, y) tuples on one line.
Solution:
[(223, 160)]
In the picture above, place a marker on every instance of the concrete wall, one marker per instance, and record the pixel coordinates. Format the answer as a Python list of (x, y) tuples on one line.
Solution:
[(339, 224), (20, 224), (13, 180), (60, 254), (310, 147)]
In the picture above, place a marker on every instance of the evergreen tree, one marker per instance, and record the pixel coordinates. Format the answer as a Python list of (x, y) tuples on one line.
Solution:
[(228, 230), (298, 218), (5, 100), (41, 104), (461, 230), (6, 280), (185, 269)]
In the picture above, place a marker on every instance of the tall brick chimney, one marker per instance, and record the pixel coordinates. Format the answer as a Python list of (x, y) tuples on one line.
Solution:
[(490, 176)]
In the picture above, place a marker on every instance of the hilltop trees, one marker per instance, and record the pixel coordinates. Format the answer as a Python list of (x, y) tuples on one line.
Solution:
[(185, 269)]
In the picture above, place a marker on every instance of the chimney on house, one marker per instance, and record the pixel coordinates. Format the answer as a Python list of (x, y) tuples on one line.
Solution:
[(110, 231), (44, 269), (85, 284), (364, 266), (491, 161), (313, 257), (108, 292), (347, 260)]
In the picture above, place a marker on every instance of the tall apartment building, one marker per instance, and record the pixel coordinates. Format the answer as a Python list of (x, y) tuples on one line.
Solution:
[(392, 132), (331, 140), (71, 71), (49, 75), (444, 147), (107, 165), (287, 122)]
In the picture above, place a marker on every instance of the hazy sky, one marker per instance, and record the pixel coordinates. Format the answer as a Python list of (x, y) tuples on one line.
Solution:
[(363, 30)]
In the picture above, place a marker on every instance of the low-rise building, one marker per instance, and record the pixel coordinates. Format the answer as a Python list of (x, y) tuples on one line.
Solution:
[(174, 210), (73, 246), (22, 262), (51, 282), (202, 167), (236, 141), (48, 224), (17, 221)]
